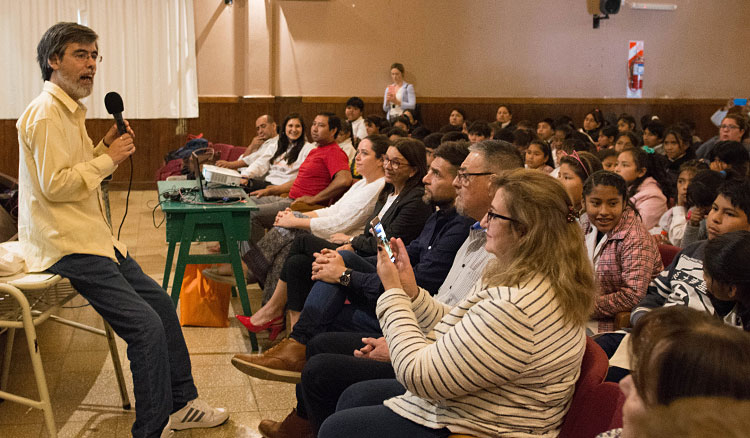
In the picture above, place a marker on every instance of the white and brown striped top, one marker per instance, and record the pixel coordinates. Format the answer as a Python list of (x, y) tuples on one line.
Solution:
[(500, 363)]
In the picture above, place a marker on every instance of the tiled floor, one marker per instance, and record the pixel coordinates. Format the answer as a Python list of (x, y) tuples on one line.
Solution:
[(80, 374)]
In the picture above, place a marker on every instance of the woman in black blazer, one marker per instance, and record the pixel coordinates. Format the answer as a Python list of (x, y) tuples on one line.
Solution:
[(402, 214)]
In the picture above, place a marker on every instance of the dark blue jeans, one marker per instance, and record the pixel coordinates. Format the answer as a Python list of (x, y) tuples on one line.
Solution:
[(325, 311), (331, 368), (361, 413), (142, 314)]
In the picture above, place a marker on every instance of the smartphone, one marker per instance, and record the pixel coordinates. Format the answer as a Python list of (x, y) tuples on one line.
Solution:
[(740, 102), (380, 233)]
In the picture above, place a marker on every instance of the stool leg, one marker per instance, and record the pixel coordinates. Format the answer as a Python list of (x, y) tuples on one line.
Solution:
[(41, 380), (6, 359), (118, 366)]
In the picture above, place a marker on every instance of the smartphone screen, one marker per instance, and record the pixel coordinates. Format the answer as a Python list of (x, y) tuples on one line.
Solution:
[(740, 102), (380, 233)]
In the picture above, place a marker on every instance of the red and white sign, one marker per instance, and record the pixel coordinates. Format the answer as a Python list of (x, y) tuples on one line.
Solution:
[(635, 69)]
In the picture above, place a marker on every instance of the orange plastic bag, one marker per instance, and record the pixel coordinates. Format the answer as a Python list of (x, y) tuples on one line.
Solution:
[(203, 302)]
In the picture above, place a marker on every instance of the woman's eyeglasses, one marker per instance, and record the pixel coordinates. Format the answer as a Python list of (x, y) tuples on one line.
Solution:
[(492, 215), (395, 164)]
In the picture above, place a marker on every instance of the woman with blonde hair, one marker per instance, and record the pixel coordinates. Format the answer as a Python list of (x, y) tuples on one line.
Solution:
[(506, 359)]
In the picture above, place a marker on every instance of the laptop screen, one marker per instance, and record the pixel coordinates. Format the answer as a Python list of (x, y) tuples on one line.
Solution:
[(198, 175)]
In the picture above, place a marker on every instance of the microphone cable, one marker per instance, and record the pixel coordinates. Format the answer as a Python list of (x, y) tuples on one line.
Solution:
[(127, 198)]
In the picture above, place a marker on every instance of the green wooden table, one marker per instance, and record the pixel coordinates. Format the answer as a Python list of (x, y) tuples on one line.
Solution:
[(187, 223)]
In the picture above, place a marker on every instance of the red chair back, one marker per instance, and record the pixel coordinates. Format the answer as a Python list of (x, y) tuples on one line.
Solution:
[(595, 403), (668, 253)]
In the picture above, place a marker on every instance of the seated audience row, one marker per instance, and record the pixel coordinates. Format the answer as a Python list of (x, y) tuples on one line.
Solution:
[(335, 288)]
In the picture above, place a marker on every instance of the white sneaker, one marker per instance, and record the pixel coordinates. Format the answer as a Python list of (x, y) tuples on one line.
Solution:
[(196, 414), (167, 432)]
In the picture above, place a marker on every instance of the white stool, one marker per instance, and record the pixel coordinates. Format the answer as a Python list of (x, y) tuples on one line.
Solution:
[(26, 301)]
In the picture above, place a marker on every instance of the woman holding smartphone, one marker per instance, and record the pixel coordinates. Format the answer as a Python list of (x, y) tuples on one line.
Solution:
[(503, 362), (399, 209)]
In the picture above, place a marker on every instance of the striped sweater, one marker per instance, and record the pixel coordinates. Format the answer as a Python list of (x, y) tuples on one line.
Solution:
[(500, 363)]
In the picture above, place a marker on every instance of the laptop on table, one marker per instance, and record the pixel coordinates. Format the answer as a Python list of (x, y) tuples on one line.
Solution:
[(215, 194)]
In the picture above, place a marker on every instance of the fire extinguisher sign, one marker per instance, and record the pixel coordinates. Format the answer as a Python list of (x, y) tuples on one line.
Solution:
[(635, 69)]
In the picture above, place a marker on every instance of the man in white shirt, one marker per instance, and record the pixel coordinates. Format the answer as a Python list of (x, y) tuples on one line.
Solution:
[(354, 108), (63, 229), (263, 143)]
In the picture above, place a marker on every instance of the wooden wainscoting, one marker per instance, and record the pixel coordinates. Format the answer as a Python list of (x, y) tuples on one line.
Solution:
[(231, 120)]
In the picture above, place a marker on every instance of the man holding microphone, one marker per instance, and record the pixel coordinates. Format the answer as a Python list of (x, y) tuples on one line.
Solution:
[(63, 229)]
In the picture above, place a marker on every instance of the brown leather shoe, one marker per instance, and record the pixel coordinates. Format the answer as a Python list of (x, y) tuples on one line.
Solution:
[(282, 363), (293, 426)]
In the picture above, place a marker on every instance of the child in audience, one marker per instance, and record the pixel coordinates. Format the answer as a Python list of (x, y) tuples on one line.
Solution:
[(608, 157), (545, 130), (592, 122), (726, 274), (701, 194), (376, 125), (402, 123), (625, 123), (606, 137), (626, 140), (346, 141), (575, 143), (522, 139), (672, 224), (413, 121), (653, 135), (683, 282), (539, 156), (479, 131), (646, 183), (562, 133), (678, 352), (729, 155), (678, 148), (624, 255), (574, 170)]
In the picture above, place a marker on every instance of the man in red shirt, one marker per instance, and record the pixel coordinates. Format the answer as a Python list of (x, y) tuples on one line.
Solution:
[(324, 175)]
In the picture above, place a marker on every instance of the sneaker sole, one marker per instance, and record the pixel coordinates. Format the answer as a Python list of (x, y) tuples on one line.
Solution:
[(265, 373)]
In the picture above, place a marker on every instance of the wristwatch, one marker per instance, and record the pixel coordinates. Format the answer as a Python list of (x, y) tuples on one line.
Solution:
[(346, 277)]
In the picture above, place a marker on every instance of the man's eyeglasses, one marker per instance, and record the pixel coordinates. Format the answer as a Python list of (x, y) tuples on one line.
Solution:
[(730, 127), (492, 215), (395, 164), (83, 56), (463, 177)]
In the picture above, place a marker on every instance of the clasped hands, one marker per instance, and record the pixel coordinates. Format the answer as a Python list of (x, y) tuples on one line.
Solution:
[(328, 266), (285, 218)]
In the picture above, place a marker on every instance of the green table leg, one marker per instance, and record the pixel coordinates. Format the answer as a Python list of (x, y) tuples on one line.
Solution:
[(182, 257), (168, 265)]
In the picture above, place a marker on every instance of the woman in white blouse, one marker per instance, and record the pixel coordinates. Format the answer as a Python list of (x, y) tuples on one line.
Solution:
[(335, 223), (504, 362)]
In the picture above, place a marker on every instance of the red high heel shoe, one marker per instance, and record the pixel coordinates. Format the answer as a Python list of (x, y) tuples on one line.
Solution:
[(275, 325)]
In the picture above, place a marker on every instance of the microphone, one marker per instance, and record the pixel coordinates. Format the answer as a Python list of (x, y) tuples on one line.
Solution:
[(114, 105)]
